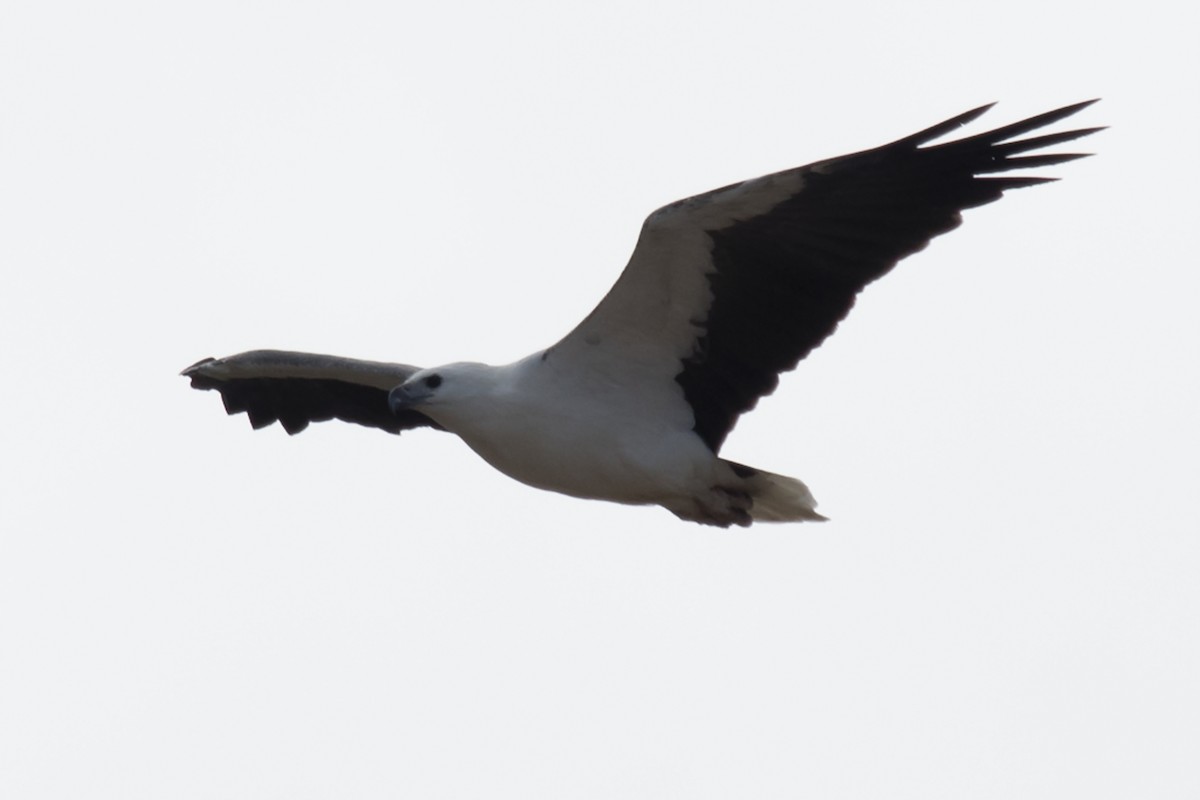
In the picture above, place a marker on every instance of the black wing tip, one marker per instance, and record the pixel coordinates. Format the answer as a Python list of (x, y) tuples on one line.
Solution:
[(293, 426), (942, 128), (1000, 149), (1004, 184), (1071, 109), (194, 368), (199, 376), (1000, 134), (1054, 115), (967, 117), (234, 402)]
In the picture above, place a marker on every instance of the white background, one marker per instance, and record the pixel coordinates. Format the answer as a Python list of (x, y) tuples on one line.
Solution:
[(1004, 433)]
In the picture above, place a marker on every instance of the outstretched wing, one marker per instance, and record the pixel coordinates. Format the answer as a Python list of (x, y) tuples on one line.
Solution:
[(298, 388), (728, 289)]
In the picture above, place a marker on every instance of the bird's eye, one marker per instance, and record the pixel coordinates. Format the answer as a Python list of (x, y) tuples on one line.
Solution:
[(433, 381)]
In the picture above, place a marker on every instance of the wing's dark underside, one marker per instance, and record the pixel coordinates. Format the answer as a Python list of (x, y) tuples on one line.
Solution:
[(785, 278)]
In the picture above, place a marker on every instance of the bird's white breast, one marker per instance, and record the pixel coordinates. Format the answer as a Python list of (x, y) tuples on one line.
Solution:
[(586, 436)]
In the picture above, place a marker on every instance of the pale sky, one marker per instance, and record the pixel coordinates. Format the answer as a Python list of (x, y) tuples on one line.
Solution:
[(1004, 603)]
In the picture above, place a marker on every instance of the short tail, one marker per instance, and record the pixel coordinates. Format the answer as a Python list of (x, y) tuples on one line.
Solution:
[(777, 498)]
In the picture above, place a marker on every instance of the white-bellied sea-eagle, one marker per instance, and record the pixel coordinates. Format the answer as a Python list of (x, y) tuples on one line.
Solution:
[(724, 291)]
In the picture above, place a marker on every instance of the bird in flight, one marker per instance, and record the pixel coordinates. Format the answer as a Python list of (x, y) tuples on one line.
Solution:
[(724, 291)]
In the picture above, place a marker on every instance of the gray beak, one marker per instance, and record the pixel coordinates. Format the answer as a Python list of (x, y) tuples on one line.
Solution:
[(401, 398)]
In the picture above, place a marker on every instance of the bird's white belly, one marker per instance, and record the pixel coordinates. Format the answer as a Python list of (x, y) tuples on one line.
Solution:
[(582, 459)]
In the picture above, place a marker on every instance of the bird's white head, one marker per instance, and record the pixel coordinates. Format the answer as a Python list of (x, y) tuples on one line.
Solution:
[(438, 391)]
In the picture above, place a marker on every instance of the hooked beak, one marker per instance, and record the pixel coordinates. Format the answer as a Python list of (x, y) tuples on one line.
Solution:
[(404, 397)]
